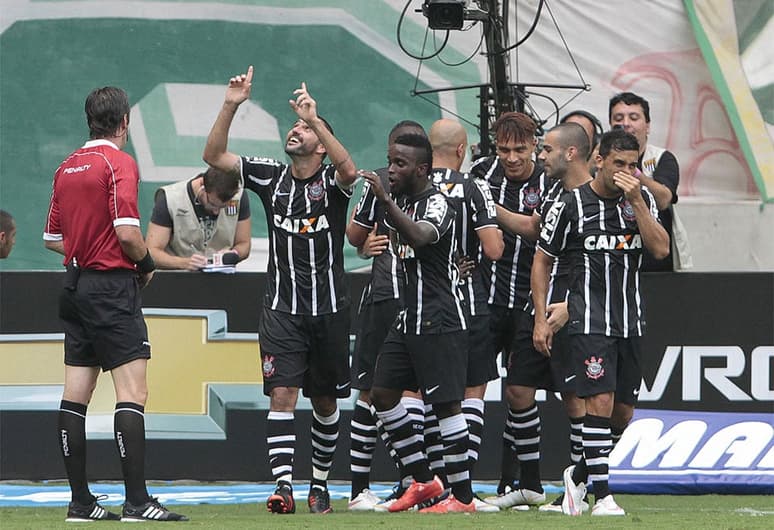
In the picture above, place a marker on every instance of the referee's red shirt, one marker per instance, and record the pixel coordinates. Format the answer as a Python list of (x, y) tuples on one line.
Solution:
[(95, 190)]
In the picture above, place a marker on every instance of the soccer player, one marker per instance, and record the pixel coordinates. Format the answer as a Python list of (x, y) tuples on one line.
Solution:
[(94, 222), (194, 220), (658, 169), (477, 234), (517, 183), (379, 305), (594, 130), (602, 227), (7, 233), (429, 333), (564, 157), (304, 328)]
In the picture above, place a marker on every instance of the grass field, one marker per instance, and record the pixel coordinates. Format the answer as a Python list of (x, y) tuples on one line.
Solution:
[(643, 512)]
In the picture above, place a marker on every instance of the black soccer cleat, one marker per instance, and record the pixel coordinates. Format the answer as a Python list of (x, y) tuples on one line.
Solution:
[(281, 501), (319, 501), (82, 513), (152, 510)]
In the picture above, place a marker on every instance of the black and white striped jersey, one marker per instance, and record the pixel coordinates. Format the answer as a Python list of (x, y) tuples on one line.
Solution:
[(507, 279), (431, 300), (601, 240), (558, 281), (386, 269), (306, 220), (475, 209)]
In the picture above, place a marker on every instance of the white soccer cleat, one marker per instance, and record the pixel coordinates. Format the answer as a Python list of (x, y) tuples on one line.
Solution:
[(572, 504), (607, 506), (556, 505), (520, 497), (365, 501), (484, 507), (550, 507), (384, 506)]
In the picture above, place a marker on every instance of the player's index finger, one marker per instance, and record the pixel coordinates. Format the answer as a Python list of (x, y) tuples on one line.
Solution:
[(250, 74)]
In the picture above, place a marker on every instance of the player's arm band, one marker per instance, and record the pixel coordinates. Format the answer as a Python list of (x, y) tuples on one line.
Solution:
[(146, 264)]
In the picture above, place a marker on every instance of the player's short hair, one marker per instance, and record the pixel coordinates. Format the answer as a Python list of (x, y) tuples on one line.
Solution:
[(327, 125), (629, 98), (105, 110), (6, 221), (224, 184), (421, 144), (515, 126), (573, 135), (617, 140), (598, 129), (405, 124)]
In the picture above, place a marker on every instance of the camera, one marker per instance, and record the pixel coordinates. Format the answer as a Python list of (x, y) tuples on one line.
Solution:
[(444, 14)]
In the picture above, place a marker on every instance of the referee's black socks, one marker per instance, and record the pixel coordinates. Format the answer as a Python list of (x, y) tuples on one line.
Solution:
[(129, 432), (72, 441)]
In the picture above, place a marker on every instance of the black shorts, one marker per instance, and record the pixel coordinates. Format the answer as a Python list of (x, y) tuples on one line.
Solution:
[(374, 321), (528, 367), (482, 356), (302, 351), (607, 364), (102, 320), (504, 322), (434, 364)]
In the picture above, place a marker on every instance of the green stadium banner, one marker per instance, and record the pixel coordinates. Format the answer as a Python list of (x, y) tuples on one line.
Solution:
[(735, 39), (174, 60)]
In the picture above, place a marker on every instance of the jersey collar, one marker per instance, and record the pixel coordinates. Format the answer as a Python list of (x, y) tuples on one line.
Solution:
[(100, 141)]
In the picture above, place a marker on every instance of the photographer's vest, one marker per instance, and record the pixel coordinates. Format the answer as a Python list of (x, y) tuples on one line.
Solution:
[(187, 232), (650, 159), (680, 246)]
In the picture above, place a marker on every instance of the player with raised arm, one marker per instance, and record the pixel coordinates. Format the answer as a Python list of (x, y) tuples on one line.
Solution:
[(304, 328)]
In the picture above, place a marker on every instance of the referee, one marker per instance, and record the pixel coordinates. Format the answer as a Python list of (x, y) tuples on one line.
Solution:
[(304, 329), (94, 222)]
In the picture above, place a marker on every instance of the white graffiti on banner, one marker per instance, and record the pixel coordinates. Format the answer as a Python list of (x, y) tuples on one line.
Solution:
[(721, 378), (696, 441)]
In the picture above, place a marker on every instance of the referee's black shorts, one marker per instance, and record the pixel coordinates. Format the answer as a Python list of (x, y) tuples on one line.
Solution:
[(102, 320), (304, 351)]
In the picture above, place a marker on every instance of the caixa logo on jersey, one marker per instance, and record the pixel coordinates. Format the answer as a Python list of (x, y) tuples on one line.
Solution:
[(302, 226), (709, 377), (665, 451)]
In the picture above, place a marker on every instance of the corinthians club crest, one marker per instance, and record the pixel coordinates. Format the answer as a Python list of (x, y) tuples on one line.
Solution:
[(531, 198), (268, 366), (626, 210), (594, 368)]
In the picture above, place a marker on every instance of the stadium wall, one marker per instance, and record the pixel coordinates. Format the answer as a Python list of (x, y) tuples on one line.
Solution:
[(704, 424)]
